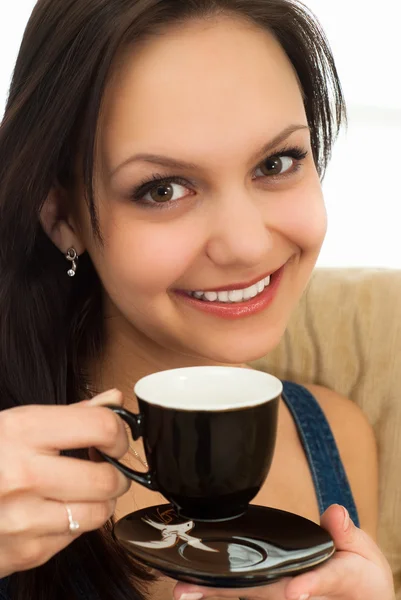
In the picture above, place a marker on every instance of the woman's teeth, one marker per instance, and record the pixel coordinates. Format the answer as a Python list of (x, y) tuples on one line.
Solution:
[(233, 295)]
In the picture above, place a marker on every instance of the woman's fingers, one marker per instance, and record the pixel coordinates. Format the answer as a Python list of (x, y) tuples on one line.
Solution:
[(41, 530), (33, 530), (357, 569), (31, 553), (37, 483), (36, 518), (347, 536), (50, 429), (339, 578), (357, 562), (274, 591), (89, 515), (70, 479), (110, 397)]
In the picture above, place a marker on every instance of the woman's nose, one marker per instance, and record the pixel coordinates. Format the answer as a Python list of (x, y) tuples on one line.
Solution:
[(239, 234)]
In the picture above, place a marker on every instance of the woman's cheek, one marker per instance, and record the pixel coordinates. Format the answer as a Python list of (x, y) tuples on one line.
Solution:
[(152, 258), (303, 220)]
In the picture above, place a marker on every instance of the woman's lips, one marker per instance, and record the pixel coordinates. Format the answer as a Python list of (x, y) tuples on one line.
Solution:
[(237, 310)]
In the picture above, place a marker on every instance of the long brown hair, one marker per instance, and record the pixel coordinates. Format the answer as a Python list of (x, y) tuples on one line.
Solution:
[(50, 325)]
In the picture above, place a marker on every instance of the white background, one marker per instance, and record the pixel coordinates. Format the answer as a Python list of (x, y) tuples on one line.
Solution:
[(363, 183)]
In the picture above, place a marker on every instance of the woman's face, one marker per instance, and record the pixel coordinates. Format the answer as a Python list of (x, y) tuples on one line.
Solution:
[(205, 181)]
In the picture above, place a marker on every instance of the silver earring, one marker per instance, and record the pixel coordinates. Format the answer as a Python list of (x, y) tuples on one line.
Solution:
[(72, 257)]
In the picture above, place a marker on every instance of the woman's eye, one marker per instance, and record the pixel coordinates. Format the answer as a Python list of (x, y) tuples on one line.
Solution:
[(277, 165), (165, 192)]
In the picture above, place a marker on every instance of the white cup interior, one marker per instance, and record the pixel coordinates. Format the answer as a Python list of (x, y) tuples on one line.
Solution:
[(208, 388)]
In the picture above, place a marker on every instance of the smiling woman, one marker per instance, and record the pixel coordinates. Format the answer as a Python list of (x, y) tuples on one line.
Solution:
[(160, 207), (195, 202)]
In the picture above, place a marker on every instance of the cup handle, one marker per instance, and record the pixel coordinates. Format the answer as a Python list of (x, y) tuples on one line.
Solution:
[(134, 422)]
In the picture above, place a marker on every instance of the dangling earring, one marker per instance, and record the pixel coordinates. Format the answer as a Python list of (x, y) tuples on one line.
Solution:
[(72, 257)]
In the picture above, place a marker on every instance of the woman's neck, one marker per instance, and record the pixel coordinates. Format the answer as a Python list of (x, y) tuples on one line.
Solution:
[(128, 356)]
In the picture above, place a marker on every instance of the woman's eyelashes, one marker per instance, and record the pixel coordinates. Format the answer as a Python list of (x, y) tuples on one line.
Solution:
[(283, 163), (160, 191)]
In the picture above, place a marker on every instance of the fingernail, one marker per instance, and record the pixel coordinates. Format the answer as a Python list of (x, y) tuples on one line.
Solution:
[(192, 596), (347, 519), (105, 397), (304, 597)]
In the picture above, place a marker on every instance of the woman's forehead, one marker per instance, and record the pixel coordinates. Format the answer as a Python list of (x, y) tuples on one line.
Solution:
[(196, 85)]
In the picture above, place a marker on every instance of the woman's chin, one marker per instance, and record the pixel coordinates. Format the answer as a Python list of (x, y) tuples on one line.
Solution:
[(245, 351)]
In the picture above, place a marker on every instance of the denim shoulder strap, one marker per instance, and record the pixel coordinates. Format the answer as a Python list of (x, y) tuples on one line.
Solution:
[(328, 473)]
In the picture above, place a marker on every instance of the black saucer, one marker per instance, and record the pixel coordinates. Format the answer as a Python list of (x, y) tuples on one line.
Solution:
[(259, 547)]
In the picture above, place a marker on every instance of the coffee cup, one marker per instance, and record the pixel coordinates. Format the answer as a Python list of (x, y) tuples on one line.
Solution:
[(209, 435)]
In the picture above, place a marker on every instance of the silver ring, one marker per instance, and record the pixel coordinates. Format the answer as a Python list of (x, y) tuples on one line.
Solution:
[(73, 526)]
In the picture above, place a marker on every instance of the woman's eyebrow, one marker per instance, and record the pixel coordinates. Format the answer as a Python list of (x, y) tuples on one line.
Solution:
[(169, 162)]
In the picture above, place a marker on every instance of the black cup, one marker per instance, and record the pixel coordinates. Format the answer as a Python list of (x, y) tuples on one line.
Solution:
[(209, 435)]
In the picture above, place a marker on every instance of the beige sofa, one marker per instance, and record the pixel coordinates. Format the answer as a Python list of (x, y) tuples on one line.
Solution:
[(346, 335)]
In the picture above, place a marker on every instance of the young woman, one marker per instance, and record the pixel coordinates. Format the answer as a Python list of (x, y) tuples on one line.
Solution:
[(161, 206)]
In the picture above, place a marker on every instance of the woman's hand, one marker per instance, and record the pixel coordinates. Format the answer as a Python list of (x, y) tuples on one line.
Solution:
[(36, 483), (358, 571)]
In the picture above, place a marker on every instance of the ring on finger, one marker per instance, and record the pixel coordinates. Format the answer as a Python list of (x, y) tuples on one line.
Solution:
[(73, 526)]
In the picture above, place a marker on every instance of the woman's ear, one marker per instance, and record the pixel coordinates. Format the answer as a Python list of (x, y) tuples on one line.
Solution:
[(58, 222)]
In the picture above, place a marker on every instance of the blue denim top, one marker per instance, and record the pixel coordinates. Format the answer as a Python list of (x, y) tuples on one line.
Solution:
[(329, 477)]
